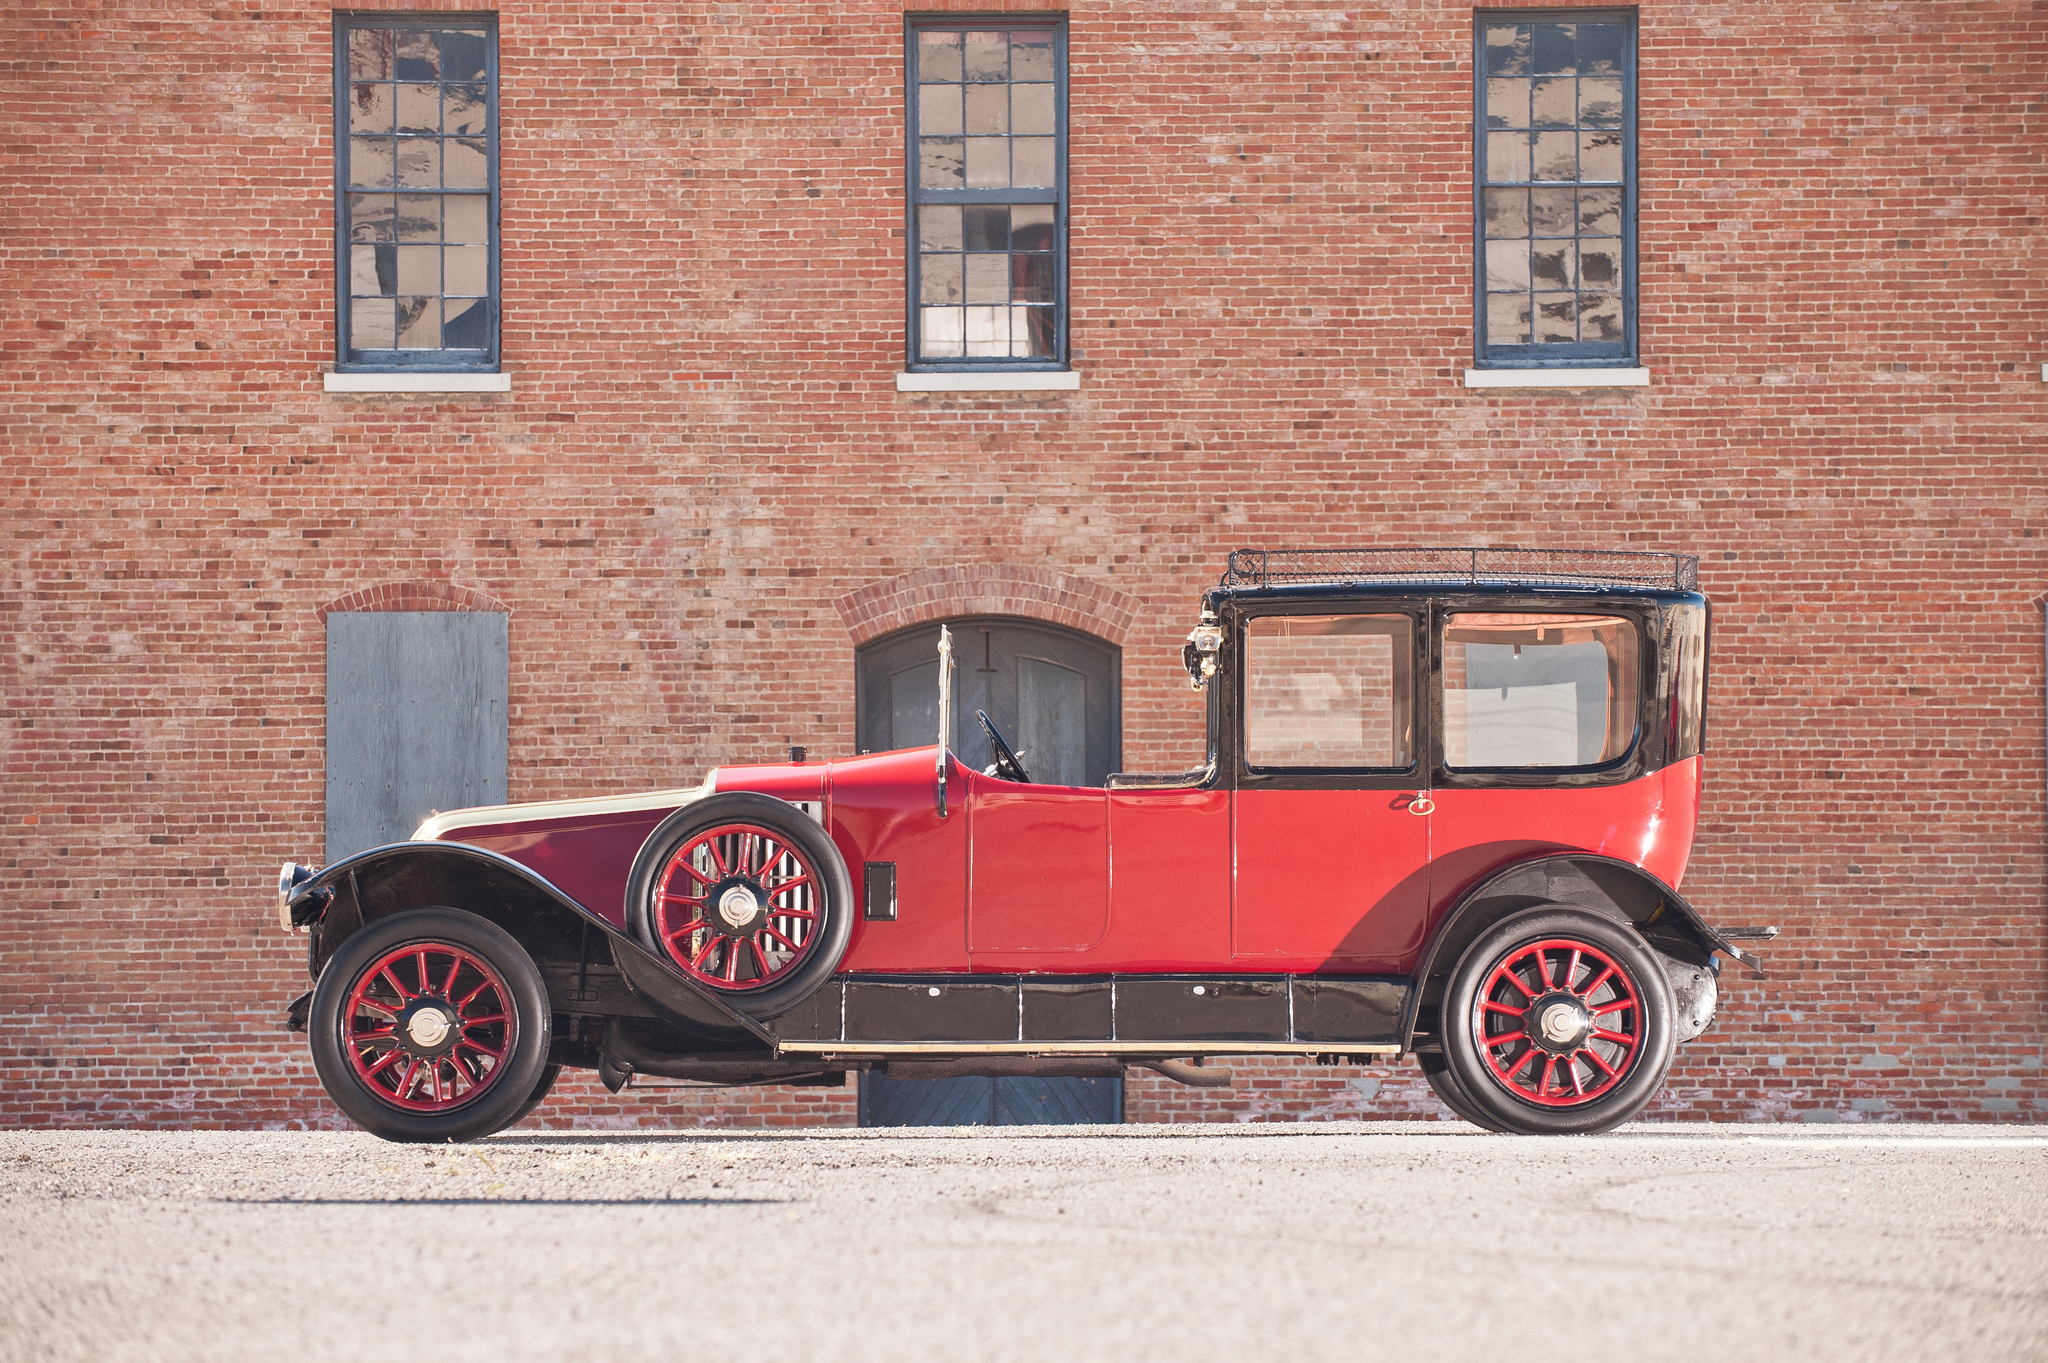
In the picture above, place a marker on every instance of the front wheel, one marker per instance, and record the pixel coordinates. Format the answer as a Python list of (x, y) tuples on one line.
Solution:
[(431, 1025), (1558, 1022)]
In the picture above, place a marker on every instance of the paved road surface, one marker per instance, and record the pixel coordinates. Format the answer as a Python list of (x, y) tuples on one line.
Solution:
[(1348, 1241)]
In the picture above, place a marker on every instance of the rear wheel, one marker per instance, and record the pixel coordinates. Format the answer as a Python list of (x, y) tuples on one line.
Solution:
[(1558, 1021), (431, 1025), (1444, 1084)]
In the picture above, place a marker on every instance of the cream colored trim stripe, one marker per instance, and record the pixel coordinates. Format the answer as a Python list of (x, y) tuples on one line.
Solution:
[(440, 825)]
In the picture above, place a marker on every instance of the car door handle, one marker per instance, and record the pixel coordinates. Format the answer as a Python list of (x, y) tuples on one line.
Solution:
[(1421, 804)]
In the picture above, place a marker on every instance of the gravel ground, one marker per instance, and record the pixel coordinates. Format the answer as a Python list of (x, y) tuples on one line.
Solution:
[(1280, 1242)]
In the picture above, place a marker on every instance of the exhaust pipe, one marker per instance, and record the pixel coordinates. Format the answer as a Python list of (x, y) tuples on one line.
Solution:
[(1192, 1074), (625, 1055)]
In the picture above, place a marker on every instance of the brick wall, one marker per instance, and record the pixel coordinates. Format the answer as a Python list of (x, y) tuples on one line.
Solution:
[(702, 462)]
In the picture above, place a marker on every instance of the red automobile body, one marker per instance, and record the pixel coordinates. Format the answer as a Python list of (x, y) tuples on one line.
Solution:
[(1075, 880), (1248, 906)]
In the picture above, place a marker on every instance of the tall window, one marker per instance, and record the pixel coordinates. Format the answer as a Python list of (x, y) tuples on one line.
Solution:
[(1556, 214), (988, 193), (416, 167), (1538, 690), (1329, 691)]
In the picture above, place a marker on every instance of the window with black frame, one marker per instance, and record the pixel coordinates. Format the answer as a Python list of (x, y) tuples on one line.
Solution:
[(1555, 210), (416, 152), (987, 169)]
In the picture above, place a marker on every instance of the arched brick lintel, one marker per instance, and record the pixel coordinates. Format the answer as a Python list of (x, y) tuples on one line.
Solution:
[(414, 596), (988, 589)]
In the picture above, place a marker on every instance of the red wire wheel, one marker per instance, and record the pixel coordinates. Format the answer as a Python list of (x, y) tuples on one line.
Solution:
[(431, 1024), (738, 906), (1560, 1022), (427, 1028), (1557, 1021)]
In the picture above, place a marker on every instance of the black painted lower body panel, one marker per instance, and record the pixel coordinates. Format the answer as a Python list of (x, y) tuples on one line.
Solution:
[(1113, 1014)]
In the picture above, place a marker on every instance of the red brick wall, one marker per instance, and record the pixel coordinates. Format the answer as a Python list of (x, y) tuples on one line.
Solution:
[(702, 460)]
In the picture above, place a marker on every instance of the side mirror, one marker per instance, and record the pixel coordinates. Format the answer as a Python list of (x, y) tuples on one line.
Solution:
[(1198, 655)]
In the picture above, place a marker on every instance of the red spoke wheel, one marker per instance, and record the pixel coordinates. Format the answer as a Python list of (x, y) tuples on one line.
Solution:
[(745, 895), (430, 1025), (1558, 1020), (737, 906)]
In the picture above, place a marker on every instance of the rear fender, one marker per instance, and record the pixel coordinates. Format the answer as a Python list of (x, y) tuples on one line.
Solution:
[(589, 965), (1577, 880)]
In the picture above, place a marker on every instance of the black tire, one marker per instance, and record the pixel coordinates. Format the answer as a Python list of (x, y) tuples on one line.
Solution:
[(1444, 1084), (350, 1055), (541, 1090), (1550, 1070), (824, 942)]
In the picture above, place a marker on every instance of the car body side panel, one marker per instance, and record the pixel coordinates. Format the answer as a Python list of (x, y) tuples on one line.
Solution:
[(883, 808), (587, 858), (796, 782), (1038, 870), (1328, 879), (1647, 822), (1169, 881)]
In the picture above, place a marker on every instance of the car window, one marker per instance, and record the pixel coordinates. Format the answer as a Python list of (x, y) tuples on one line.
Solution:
[(1329, 691), (1538, 690)]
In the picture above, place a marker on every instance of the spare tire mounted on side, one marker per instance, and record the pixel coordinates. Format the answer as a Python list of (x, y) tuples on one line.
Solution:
[(745, 895)]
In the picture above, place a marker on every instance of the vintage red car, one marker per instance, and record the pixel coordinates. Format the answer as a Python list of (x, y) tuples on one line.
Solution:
[(1447, 800)]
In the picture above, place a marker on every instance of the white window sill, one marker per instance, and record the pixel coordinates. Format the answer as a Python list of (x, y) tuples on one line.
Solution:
[(419, 383), (1557, 378), (1039, 382)]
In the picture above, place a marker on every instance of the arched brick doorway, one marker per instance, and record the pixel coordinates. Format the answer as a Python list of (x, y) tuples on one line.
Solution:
[(1056, 694)]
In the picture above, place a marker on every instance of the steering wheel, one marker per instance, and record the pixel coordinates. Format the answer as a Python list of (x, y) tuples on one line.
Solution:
[(1007, 765)]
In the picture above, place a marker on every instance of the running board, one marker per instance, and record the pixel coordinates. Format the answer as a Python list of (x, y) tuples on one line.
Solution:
[(1148, 1015)]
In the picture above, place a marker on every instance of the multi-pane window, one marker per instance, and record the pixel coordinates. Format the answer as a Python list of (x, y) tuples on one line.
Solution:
[(1556, 187), (417, 162), (987, 164)]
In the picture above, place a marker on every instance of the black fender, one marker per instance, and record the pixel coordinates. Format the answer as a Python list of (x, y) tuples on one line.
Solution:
[(1582, 880), (560, 934)]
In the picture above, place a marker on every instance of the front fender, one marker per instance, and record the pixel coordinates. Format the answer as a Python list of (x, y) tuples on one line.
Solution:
[(1578, 880), (555, 930)]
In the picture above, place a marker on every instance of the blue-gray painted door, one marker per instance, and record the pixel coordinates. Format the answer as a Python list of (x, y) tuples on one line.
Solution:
[(990, 1102), (415, 720)]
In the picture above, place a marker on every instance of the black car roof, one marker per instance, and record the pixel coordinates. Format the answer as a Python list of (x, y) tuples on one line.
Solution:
[(1319, 574)]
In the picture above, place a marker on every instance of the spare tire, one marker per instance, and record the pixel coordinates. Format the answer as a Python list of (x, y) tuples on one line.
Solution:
[(747, 897)]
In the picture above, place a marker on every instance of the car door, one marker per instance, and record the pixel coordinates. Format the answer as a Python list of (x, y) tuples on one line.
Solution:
[(1330, 826), (1038, 859)]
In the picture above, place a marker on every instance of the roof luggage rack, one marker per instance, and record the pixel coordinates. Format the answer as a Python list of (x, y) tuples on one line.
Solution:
[(1520, 567)]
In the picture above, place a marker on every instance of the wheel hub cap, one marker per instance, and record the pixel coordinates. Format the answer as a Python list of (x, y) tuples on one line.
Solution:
[(1560, 1022), (738, 907), (428, 1028)]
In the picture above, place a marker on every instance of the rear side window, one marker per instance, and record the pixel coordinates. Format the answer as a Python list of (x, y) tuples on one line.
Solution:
[(1538, 690), (1329, 691)]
